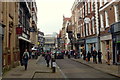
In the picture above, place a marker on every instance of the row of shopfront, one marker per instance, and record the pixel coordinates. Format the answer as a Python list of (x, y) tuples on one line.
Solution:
[(14, 58), (109, 41)]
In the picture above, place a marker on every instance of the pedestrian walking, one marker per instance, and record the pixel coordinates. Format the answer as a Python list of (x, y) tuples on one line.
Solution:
[(69, 53), (88, 55), (48, 58), (66, 52), (99, 56), (25, 58), (30, 54), (94, 56), (108, 55), (33, 54), (75, 54), (84, 54), (36, 55)]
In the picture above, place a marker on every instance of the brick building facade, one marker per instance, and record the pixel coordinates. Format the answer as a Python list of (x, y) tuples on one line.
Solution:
[(109, 14), (17, 18)]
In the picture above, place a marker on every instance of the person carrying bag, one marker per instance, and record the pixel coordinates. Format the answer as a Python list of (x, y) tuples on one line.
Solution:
[(25, 59)]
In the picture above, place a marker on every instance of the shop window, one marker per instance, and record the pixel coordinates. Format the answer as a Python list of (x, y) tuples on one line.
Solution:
[(105, 1), (9, 44), (118, 52), (92, 5), (94, 45), (107, 19), (107, 42), (102, 21), (90, 28), (116, 13), (93, 24), (88, 7), (119, 12), (86, 29), (101, 3)]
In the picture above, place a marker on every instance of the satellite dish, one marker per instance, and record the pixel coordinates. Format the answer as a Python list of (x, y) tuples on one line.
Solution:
[(87, 20)]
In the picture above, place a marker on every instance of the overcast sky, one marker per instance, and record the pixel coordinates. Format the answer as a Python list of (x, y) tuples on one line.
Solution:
[(50, 14)]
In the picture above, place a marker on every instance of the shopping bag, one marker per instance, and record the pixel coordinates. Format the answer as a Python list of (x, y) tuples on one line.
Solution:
[(23, 62), (86, 59)]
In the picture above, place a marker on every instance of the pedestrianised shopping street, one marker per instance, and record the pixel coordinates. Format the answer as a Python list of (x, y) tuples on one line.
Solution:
[(59, 39)]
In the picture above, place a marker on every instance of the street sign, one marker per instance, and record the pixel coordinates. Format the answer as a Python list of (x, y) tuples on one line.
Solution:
[(19, 30), (32, 29), (87, 20), (1, 31)]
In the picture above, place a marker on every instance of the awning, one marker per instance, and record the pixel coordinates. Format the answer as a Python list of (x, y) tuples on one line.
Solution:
[(24, 39)]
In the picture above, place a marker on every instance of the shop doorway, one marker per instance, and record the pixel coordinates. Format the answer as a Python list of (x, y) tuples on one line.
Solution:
[(118, 52)]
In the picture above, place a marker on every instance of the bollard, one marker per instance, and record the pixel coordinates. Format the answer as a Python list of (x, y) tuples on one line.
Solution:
[(53, 66), (51, 62), (52, 57)]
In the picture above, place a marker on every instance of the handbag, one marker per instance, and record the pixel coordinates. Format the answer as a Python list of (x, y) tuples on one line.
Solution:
[(23, 62), (87, 59)]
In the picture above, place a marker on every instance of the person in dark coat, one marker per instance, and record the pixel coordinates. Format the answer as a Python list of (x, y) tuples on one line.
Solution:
[(99, 56), (66, 53), (75, 55), (108, 55), (94, 56), (84, 54), (88, 56), (69, 54), (25, 58), (48, 58)]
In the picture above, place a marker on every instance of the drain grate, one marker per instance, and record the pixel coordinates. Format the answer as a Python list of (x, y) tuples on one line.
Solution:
[(37, 72)]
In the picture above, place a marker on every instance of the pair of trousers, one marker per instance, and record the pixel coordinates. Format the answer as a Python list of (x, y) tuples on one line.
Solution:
[(25, 66), (94, 59), (47, 61)]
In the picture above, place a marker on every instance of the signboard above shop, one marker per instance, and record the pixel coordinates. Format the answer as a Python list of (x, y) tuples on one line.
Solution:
[(1, 30), (115, 27)]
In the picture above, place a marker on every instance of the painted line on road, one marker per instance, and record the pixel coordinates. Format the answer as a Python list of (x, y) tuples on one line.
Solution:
[(38, 59), (0, 78), (66, 78)]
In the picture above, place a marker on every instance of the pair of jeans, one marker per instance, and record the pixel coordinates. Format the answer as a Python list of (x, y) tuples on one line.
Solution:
[(25, 66), (47, 61)]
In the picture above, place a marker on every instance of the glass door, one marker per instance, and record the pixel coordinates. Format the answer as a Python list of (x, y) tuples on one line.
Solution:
[(118, 53)]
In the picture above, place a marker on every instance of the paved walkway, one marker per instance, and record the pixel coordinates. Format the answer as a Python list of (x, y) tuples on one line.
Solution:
[(33, 68), (47, 72), (110, 69)]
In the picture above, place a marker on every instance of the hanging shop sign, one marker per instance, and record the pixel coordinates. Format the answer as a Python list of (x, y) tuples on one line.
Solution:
[(19, 30)]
